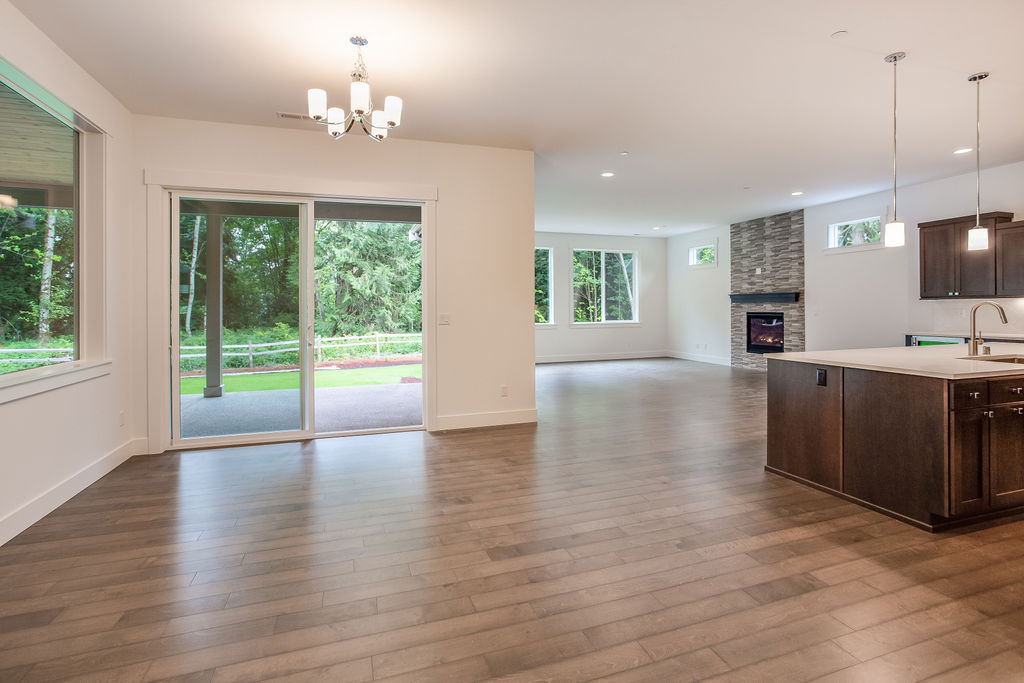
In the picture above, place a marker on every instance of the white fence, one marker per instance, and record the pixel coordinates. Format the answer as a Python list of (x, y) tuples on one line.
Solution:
[(52, 356), (379, 341)]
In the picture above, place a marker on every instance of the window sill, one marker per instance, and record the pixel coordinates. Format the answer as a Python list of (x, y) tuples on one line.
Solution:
[(855, 249), (25, 383), (545, 326), (700, 266), (610, 323)]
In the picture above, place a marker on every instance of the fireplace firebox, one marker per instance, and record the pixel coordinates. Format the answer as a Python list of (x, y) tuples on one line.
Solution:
[(765, 333)]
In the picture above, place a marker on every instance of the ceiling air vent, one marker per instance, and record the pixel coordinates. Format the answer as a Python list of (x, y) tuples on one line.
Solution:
[(290, 115)]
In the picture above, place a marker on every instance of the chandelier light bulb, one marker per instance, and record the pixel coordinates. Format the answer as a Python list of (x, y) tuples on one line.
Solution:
[(379, 124), (393, 109), (360, 97), (336, 121), (317, 99)]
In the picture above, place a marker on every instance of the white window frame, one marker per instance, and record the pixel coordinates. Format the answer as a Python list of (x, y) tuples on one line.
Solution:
[(551, 286), (90, 246), (604, 313), (831, 231), (692, 255)]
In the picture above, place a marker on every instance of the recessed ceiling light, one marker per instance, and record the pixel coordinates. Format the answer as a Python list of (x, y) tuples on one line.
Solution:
[(623, 153), (797, 193), (607, 174), (842, 33), (963, 150), (657, 227)]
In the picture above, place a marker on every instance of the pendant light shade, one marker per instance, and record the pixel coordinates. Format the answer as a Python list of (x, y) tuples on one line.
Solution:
[(977, 237), (895, 230)]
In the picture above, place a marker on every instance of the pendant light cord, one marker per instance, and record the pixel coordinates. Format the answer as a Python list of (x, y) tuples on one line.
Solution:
[(894, 141), (977, 150)]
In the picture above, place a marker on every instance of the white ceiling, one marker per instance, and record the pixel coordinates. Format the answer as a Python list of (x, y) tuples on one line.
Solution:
[(726, 106)]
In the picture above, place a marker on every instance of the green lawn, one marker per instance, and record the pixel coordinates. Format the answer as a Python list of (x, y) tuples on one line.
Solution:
[(387, 374)]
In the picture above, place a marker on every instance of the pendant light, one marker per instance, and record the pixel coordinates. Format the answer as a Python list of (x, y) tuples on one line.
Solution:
[(977, 237), (895, 231)]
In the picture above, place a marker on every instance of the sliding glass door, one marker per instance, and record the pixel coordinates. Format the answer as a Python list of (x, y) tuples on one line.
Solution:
[(240, 343)]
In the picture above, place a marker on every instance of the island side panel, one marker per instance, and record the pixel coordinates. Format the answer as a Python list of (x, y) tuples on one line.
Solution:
[(895, 442), (805, 422)]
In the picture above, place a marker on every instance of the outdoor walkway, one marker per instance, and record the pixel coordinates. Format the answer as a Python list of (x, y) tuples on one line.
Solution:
[(338, 409)]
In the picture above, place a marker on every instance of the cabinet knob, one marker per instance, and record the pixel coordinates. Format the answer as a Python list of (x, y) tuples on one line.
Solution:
[(989, 413), (974, 394)]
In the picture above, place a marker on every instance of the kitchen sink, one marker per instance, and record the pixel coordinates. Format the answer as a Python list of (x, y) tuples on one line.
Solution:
[(1019, 360)]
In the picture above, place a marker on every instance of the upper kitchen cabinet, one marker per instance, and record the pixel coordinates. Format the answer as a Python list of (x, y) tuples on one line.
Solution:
[(1010, 259), (949, 270)]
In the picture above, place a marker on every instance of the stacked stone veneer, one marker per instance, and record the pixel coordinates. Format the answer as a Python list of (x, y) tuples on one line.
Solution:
[(775, 244)]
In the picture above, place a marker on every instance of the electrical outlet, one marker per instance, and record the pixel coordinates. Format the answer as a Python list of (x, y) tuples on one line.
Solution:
[(821, 374), (503, 391), (444, 319), (757, 271)]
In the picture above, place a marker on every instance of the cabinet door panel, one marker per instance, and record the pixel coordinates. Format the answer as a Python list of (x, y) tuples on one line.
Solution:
[(969, 477), (1010, 261), (1006, 453), (938, 261), (977, 268)]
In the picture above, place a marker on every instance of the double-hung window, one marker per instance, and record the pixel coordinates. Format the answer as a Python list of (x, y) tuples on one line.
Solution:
[(604, 286)]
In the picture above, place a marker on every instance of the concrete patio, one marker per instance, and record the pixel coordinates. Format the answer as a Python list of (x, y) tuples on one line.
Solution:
[(338, 409)]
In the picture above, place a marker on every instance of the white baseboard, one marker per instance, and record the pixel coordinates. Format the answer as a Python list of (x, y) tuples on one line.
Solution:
[(701, 357), (16, 521), (618, 355), (490, 419)]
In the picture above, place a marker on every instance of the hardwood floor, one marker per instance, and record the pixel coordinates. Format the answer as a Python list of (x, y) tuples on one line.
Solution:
[(631, 536)]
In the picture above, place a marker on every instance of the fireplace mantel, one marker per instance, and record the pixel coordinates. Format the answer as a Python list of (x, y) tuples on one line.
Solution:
[(765, 297)]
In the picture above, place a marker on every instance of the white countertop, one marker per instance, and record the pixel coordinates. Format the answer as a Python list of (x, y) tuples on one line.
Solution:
[(943, 361), (964, 334)]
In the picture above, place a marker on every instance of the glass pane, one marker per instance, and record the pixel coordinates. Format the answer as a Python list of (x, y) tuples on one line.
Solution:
[(240, 329), (542, 285), (367, 307), (619, 285), (586, 285), (38, 192)]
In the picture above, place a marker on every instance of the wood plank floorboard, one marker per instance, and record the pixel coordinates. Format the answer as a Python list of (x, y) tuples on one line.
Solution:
[(631, 535)]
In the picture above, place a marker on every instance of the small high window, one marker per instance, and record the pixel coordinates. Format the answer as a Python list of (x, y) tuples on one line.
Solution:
[(706, 255), (855, 233)]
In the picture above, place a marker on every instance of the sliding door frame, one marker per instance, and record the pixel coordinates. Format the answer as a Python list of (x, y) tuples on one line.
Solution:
[(162, 183)]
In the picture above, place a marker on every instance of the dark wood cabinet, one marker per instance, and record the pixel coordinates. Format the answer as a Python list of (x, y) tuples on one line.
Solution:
[(948, 268), (1010, 259), (969, 475), (933, 452)]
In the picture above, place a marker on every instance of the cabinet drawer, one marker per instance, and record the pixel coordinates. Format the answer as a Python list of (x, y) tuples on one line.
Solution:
[(1006, 390), (970, 394)]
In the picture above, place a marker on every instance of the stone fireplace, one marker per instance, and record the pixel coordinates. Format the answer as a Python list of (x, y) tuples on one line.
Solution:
[(767, 274)]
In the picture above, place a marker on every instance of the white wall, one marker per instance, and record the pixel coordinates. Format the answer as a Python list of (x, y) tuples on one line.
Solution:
[(56, 443), (564, 341), (872, 298), (484, 239), (698, 299)]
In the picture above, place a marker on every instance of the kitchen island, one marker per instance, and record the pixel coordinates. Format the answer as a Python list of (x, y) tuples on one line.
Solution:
[(920, 433)]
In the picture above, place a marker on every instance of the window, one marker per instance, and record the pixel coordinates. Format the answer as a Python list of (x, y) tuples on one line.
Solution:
[(542, 308), (603, 286), (855, 233), (38, 236), (706, 255)]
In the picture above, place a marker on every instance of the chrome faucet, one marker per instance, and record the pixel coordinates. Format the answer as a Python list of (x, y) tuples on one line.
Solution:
[(975, 339)]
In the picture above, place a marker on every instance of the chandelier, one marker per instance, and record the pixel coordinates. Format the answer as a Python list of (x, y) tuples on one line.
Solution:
[(361, 108)]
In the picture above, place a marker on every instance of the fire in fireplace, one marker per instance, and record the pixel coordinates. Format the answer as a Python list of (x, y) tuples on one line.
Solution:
[(765, 333)]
